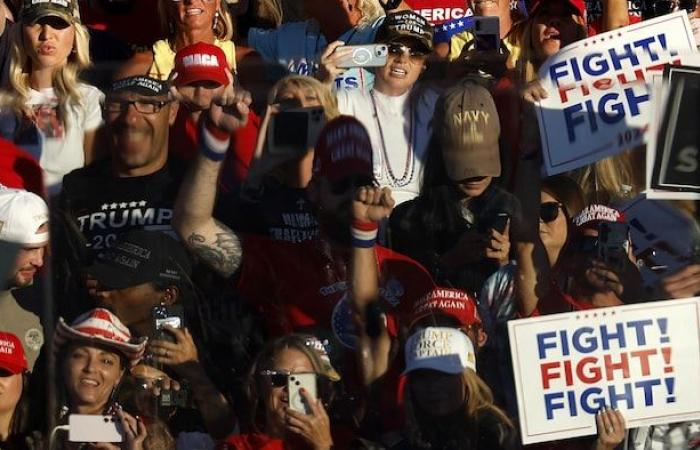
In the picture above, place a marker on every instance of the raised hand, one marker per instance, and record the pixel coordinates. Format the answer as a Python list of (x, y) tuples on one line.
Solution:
[(372, 204)]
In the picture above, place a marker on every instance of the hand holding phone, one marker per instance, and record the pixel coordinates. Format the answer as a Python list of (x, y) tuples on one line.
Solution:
[(94, 428), (295, 383), (170, 315), (293, 131), (371, 55)]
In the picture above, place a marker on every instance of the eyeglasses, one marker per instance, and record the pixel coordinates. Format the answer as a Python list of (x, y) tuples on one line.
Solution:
[(119, 106), (400, 49), (549, 211)]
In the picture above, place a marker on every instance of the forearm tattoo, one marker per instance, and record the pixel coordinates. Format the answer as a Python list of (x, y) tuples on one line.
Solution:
[(224, 254)]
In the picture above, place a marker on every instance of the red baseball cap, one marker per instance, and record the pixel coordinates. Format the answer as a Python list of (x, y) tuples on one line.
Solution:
[(343, 150), (578, 5), (450, 302), (593, 214), (200, 62), (12, 357)]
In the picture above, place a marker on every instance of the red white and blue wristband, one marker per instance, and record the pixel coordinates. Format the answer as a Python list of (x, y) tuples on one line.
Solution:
[(364, 234), (214, 141)]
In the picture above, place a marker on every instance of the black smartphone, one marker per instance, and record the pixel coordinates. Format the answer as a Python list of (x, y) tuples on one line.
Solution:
[(293, 131), (501, 221), (172, 315), (613, 244), (487, 33)]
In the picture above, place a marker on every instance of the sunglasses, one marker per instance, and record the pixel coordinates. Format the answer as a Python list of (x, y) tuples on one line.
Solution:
[(279, 378), (549, 211), (413, 53)]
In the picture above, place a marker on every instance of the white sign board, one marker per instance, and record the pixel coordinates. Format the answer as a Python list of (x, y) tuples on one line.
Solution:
[(598, 100), (643, 359)]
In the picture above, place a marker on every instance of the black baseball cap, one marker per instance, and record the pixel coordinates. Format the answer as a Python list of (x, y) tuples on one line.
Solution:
[(406, 25), (139, 257)]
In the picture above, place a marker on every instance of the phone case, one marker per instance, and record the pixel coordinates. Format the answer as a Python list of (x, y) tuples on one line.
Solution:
[(372, 55), (487, 34), (294, 384), (94, 428)]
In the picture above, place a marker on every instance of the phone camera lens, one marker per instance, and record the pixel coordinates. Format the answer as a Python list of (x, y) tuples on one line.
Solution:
[(297, 383), (106, 419)]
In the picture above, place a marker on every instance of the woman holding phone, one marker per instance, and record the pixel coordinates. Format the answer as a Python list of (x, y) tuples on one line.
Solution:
[(93, 355), (274, 424), (397, 111)]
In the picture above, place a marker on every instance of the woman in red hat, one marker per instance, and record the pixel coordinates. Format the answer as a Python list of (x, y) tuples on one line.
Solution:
[(14, 405)]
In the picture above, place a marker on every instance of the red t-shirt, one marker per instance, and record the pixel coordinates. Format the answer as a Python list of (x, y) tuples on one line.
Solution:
[(19, 169), (557, 301), (304, 285), (184, 143), (251, 441)]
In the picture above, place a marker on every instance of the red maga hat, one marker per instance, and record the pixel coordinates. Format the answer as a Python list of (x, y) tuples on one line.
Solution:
[(200, 62), (12, 357)]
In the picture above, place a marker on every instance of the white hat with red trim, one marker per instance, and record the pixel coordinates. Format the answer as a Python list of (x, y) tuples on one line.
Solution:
[(101, 327)]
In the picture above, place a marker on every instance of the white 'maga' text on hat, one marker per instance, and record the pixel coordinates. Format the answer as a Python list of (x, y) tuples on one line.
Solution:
[(199, 59)]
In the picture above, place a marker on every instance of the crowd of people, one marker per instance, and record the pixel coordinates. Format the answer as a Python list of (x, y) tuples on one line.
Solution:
[(205, 204)]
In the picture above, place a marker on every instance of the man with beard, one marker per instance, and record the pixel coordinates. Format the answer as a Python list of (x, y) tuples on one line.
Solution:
[(301, 287), (24, 228)]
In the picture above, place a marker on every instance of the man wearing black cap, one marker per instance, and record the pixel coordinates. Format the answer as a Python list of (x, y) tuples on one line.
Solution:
[(137, 186), (141, 270)]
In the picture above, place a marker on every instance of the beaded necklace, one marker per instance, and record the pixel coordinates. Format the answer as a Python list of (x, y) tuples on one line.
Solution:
[(409, 167)]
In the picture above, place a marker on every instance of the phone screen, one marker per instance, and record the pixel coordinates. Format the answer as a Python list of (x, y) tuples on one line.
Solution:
[(290, 130)]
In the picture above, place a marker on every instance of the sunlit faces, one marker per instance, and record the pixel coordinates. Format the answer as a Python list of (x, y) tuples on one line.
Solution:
[(473, 187), (436, 393), (553, 232), (289, 360), (90, 375), (48, 42), (10, 391), (491, 7), (28, 261), (404, 65), (195, 14), (139, 140), (553, 28)]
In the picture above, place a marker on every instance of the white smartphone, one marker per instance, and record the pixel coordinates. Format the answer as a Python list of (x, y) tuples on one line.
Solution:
[(94, 428), (371, 55), (295, 382)]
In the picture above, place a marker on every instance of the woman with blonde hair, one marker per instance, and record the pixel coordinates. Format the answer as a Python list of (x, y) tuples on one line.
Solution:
[(186, 22), (50, 51), (277, 179)]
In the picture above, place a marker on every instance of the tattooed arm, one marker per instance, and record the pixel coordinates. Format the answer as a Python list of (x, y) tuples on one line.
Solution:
[(207, 238)]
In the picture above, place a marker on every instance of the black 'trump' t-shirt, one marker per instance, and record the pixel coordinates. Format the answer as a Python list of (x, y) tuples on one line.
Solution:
[(103, 205)]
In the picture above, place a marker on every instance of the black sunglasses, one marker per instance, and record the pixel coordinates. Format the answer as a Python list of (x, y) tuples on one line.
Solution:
[(413, 52), (549, 211)]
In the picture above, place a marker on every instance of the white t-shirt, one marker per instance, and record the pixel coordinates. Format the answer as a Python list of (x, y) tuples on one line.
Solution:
[(390, 133), (297, 46), (62, 146)]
